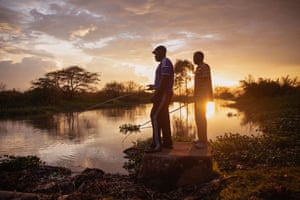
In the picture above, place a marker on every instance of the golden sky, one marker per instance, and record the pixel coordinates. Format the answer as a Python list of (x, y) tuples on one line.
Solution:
[(116, 38)]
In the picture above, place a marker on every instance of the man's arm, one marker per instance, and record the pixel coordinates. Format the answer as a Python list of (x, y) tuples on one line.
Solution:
[(161, 88)]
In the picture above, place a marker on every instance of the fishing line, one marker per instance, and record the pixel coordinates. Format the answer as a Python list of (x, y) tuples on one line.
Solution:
[(109, 100), (136, 128), (141, 125), (96, 105)]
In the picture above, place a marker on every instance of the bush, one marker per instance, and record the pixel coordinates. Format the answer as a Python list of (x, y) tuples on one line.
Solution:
[(235, 151), (12, 163), (268, 87)]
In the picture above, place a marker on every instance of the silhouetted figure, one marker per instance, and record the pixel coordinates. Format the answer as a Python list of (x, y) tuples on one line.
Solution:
[(163, 92), (203, 93)]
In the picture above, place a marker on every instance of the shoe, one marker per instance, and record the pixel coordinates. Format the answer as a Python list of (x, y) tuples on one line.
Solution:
[(200, 145), (153, 150)]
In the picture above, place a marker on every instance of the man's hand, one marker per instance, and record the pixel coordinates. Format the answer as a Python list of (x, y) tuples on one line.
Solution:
[(150, 87)]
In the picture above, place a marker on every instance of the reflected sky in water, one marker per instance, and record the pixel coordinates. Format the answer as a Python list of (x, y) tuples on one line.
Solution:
[(93, 139)]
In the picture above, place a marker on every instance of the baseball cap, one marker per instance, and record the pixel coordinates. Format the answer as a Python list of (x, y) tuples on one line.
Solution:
[(160, 48)]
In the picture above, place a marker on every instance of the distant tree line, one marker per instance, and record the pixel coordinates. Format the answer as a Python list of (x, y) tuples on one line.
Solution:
[(71, 84), (75, 83), (260, 88), (266, 87)]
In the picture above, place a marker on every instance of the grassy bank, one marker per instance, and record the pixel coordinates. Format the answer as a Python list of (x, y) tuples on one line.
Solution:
[(267, 166)]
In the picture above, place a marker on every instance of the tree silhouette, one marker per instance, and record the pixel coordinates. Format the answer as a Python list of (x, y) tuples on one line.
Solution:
[(70, 81), (266, 87), (183, 70), (50, 81), (131, 86), (75, 79), (114, 88)]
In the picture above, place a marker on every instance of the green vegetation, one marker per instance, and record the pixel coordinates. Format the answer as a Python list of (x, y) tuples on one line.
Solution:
[(263, 88), (234, 151), (263, 183), (125, 128), (135, 156), (267, 166), (12, 163)]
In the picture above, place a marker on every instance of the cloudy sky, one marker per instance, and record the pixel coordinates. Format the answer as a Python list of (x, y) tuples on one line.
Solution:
[(115, 38)]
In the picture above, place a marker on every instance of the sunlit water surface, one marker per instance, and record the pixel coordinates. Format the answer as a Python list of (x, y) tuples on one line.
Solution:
[(93, 138)]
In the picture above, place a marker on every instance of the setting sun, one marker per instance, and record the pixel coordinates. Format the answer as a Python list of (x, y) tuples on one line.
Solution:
[(210, 109)]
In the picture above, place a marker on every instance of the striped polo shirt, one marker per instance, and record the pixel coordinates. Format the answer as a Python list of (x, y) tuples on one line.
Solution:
[(165, 67)]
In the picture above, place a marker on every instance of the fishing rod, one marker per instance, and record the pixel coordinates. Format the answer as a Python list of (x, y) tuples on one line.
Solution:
[(72, 114), (109, 100), (143, 124), (112, 99), (133, 128)]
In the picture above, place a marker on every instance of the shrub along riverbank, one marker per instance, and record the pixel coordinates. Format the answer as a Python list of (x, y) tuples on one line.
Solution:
[(267, 166)]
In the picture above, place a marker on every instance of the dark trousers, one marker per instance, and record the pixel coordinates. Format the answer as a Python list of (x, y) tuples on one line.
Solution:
[(160, 119), (201, 121)]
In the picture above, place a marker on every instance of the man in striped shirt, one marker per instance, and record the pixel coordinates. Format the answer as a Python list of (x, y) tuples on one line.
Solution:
[(163, 92), (203, 93)]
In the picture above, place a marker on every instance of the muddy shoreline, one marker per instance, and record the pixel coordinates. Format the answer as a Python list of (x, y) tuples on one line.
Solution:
[(50, 182)]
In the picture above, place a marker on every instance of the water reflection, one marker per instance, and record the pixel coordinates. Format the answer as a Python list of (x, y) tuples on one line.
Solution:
[(93, 138), (183, 129), (210, 109)]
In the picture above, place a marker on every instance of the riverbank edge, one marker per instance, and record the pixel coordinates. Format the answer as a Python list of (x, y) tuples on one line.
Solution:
[(30, 178)]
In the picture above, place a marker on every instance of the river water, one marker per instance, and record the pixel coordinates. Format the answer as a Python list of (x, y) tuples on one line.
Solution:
[(93, 138)]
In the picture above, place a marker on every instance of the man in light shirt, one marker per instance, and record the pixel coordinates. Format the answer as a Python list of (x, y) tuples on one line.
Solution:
[(203, 93)]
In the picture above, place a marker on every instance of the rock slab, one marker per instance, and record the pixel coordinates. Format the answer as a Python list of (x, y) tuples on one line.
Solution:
[(180, 166)]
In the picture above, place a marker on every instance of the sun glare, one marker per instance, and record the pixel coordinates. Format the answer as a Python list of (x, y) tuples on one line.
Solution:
[(219, 81), (210, 109)]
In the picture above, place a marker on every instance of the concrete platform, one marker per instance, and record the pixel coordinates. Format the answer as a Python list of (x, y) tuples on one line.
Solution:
[(182, 165)]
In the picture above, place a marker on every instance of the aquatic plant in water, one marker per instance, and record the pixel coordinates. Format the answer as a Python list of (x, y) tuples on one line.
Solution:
[(125, 128)]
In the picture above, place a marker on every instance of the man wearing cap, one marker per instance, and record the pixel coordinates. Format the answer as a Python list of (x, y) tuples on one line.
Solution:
[(163, 92)]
